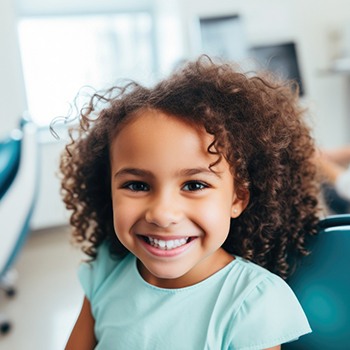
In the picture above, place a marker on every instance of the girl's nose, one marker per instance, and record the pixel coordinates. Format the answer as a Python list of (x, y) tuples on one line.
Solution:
[(163, 211)]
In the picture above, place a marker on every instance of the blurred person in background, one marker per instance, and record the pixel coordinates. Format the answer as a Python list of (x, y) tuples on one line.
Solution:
[(334, 165)]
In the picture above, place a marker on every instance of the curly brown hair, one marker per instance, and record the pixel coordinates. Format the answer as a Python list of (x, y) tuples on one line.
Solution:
[(258, 126)]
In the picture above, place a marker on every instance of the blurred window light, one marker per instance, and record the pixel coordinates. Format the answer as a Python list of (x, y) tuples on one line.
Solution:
[(62, 54)]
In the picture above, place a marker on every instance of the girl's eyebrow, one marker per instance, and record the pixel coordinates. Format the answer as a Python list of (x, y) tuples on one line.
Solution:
[(182, 172), (199, 170), (132, 171)]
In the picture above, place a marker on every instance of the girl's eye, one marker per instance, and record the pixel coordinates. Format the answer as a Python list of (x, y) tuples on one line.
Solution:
[(136, 186), (195, 186)]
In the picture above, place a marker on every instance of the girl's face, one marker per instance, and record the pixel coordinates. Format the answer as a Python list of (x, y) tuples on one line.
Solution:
[(170, 210)]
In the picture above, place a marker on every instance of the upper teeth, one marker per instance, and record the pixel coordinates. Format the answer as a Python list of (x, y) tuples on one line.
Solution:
[(166, 245)]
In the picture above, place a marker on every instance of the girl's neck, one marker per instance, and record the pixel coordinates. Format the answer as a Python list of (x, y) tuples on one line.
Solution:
[(206, 268)]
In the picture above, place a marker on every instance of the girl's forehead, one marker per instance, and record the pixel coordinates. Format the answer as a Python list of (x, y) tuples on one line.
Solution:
[(152, 130), (157, 140), (150, 118), (164, 144)]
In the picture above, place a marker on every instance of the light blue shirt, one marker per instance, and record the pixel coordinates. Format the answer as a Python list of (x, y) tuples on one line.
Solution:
[(243, 307)]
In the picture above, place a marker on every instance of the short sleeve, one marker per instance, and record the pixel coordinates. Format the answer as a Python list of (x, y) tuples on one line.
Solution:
[(92, 274), (270, 315)]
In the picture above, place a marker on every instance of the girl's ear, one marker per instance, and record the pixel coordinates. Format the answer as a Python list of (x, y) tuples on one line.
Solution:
[(239, 203)]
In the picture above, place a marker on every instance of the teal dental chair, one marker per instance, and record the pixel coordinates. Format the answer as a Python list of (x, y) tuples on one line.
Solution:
[(18, 192), (322, 285)]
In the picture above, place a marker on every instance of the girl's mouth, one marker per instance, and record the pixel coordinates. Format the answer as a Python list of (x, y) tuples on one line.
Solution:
[(167, 247), (166, 244)]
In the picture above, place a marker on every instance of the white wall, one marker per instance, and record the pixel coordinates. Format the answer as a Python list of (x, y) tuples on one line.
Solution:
[(320, 26), (317, 27), (50, 210), (12, 96)]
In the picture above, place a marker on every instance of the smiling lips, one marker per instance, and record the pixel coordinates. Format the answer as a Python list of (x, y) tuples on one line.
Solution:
[(167, 244), (167, 247)]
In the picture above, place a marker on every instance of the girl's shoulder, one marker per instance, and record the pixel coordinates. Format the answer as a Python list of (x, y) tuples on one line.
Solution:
[(92, 274), (255, 279), (266, 307), (253, 274)]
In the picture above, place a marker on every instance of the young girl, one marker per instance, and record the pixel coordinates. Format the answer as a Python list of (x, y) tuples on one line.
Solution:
[(178, 193)]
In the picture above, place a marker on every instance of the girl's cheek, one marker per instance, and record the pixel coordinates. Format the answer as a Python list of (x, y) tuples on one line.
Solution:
[(125, 213)]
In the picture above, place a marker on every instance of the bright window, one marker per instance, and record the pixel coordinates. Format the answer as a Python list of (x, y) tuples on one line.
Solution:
[(60, 55)]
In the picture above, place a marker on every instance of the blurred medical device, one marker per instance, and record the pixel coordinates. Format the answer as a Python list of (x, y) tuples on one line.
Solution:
[(18, 192)]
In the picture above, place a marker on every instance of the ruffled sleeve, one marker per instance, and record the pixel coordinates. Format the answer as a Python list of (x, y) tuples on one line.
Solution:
[(269, 315)]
